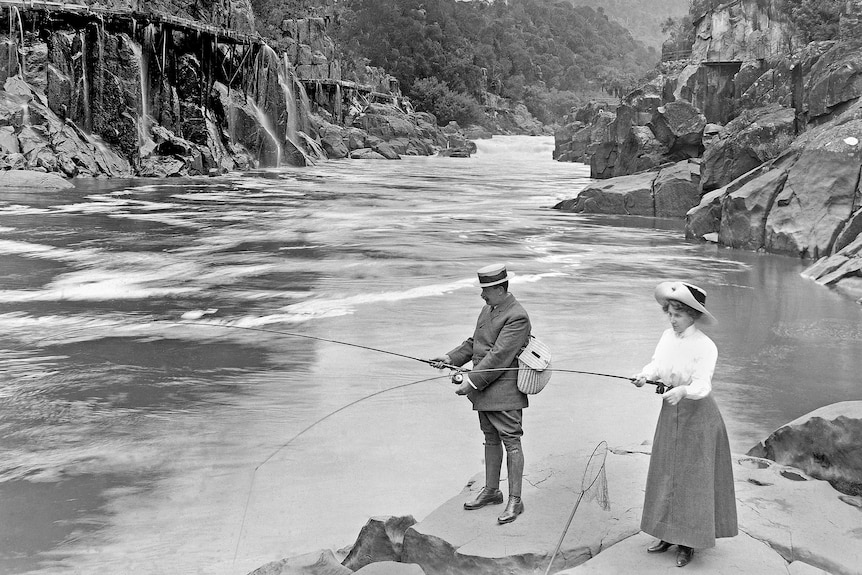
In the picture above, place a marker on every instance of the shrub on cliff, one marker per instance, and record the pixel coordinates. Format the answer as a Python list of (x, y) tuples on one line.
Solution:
[(432, 95)]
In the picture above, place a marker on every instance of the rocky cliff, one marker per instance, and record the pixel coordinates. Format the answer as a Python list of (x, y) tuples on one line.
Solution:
[(773, 124), (169, 88)]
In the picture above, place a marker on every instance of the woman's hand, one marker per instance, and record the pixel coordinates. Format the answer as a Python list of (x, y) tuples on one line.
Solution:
[(638, 380), (674, 395)]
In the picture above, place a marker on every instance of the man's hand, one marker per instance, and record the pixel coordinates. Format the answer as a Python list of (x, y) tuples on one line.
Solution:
[(440, 362), (465, 386)]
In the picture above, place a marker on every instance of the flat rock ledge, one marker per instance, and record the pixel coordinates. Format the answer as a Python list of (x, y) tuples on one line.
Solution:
[(790, 523), (32, 180)]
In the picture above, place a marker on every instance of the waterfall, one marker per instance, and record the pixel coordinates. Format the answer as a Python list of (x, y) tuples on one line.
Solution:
[(289, 99), (143, 55), (264, 122), (25, 114), (22, 62), (85, 84)]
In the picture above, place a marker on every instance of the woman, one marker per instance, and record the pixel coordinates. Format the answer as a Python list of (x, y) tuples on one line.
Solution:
[(690, 499)]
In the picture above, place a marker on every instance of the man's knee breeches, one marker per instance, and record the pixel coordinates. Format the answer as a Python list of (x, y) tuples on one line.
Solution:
[(502, 427)]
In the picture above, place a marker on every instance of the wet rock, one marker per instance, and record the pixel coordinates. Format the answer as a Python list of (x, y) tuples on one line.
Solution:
[(835, 78), (391, 568), (756, 136), (826, 444), (679, 126), (380, 539), (321, 562), (676, 189), (631, 195), (365, 154), (28, 179), (743, 211)]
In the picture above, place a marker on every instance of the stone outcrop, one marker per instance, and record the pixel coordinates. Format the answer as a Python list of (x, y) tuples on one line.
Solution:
[(96, 95), (789, 521), (28, 179), (742, 31), (754, 137), (669, 192), (826, 444), (381, 539), (803, 203)]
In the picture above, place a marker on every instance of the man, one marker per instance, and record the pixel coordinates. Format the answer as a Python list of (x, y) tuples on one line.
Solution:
[(502, 331)]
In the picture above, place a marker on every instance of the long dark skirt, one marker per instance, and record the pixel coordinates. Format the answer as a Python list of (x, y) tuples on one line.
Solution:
[(690, 498)]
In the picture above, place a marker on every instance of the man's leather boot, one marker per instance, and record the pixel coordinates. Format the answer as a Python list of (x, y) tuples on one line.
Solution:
[(487, 496), (491, 494), (513, 508), (515, 470)]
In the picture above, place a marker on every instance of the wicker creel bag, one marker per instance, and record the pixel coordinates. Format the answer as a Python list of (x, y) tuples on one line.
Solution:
[(534, 367)]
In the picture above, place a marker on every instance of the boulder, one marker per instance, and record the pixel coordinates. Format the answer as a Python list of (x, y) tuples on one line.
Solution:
[(744, 210), (679, 126), (639, 152), (629, 195), (754, 137), (826, 444), (380, 539), (365, 154), (819, 194), (451, 541), (321, 562), (30, 180), (391, 568), (835, 78), (676, 189)]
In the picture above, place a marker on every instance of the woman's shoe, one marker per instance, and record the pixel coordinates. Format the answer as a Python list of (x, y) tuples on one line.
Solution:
[(684, 556), (659, 547)]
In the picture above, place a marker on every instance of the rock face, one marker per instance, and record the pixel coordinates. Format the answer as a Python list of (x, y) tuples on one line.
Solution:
[(666, 193), (826, 444), (800, 204), (98, 95), (381, 539), (789, 521)]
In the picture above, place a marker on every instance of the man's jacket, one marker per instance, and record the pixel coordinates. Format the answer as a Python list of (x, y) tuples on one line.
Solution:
[(501, 333)]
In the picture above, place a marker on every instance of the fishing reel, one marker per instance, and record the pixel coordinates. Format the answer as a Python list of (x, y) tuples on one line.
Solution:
[(457, 378), (660, 388)]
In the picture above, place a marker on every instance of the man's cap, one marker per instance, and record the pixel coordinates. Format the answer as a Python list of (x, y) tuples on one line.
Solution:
[(492, 275)]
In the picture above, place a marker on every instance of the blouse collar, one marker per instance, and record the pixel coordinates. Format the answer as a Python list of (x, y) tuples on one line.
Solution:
[(687, 332)]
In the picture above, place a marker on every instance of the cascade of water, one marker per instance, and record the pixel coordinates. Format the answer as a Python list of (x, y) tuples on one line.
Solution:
[(265, 58), (22, 61), (25, 114), (85, 84), (144, 68), (339, 111), (264, 122), (289, 99)]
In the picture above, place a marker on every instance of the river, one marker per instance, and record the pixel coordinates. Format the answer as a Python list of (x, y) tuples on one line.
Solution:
[(148, 404)]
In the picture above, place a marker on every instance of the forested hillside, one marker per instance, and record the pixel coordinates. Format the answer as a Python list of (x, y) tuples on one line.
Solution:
[(448, 54), (643, 18)]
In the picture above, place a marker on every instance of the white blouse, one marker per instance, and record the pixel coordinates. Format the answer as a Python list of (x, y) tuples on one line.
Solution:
[(685, 359)]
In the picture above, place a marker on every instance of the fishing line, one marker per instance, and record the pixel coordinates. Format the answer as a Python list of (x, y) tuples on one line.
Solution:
[(313, 424)]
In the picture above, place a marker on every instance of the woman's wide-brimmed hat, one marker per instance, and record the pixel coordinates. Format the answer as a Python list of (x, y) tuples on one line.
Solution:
[(493, 274), (689, 294)]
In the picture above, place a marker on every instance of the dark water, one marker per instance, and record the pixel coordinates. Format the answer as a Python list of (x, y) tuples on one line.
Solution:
[(146, 402)]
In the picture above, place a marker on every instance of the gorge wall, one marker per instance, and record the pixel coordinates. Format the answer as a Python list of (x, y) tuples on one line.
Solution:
[(170, 88), (774, 125)]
